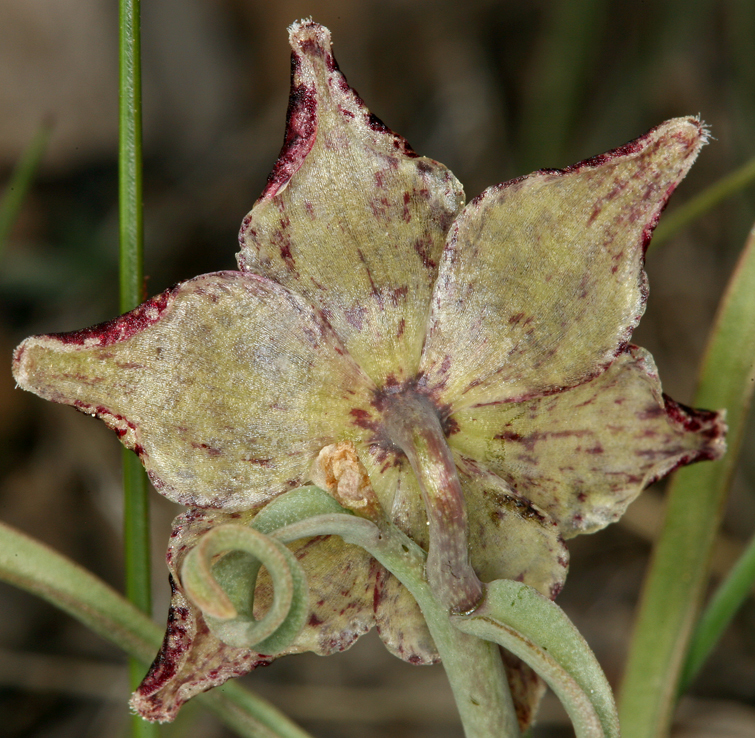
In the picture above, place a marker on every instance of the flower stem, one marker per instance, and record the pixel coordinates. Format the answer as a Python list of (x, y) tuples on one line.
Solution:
[(473, 665), (412, 423)]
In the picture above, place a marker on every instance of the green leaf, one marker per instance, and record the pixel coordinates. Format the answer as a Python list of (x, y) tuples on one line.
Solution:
[(676, 582), (20, 182), (32, 566), (538, 631), (729, 597)]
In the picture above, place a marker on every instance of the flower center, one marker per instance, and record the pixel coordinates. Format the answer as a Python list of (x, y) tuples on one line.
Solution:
[(411, 422)]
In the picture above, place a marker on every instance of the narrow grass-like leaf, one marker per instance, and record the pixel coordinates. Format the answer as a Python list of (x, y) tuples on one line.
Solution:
[(729, 596), (538, 631), (678, 573), (131, 228), (20, 181), (32, 566)]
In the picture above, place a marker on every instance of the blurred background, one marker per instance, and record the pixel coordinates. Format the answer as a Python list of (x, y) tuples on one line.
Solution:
[(492, 88)]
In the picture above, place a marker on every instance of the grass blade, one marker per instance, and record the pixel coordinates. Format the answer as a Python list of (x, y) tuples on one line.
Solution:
[(20, 182), (678, 573), (728, 598), (681, 217), (131, 228), (34, 567)]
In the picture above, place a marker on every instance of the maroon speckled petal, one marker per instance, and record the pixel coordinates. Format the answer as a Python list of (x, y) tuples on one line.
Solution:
[(191, 660), (227, 386), (541, 282), (400, 623), (351, 217), (509, 537), (584, 454)]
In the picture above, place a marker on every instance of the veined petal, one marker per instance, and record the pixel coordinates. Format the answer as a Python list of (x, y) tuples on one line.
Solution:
[(351, 217), (191, 660), (227, 386), (509, 538), (541, 283), (584, 454), (400, 623), (341, 580)]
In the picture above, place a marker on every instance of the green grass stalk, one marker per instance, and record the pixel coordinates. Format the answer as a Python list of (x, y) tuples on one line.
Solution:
[(678, 575), (131, 231), (20, 182), (729, 597), (681, 217)]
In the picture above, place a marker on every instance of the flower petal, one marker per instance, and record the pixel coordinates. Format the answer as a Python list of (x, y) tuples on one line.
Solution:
[(341, 580), (400, 623), (191, 660), (509, 538), (227, 386), (351, 217), (541, 283), (584, 454)]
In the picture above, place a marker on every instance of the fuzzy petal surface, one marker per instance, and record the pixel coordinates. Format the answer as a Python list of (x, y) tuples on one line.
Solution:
[(351, 218), (584, 454), (541, 283), (400, 623), (509, 538), (227, 386)]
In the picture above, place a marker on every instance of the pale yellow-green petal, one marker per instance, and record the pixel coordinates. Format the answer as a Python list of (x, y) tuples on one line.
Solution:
[(191, 660), (352, 218), (400, 623), (541, 283), (341, 583), (509, 538), (584, 454), (227, 386)]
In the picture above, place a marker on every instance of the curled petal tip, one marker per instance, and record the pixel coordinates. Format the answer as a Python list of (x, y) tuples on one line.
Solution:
[(305, 32)]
